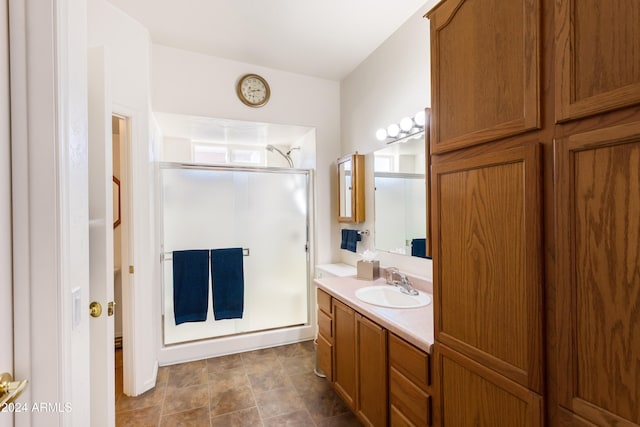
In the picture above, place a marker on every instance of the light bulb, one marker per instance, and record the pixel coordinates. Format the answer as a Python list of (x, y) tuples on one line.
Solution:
[(381, 134), (393, 130), (406, 124), (420, 118)]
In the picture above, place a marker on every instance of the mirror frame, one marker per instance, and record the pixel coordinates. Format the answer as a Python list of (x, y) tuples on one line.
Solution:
[(357, 188), (116, 202)]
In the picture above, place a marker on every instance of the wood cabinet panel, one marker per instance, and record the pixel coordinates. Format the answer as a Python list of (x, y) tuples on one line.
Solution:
[(325, 325), (598, 244), (398, 419), (488, 260), (597, 56), (485, 85), (325, 359), (344, 344), (372, 372), (324, 301), (406, 398), (472, 395), (409, 361)]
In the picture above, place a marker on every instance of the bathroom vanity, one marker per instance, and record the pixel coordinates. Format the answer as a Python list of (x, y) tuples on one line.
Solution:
[(377, 358)]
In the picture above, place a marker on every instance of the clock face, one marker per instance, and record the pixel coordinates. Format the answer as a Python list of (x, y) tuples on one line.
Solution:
[(253, 90)]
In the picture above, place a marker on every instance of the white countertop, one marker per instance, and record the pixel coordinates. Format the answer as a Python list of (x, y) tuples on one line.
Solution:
[(414, 325)]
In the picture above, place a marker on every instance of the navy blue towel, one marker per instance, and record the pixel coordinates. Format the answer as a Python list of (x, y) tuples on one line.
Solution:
[(419, 248), (190, 285), (350, 239), (227, 272)]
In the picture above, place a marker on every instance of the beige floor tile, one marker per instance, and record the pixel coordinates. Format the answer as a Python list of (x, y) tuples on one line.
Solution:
[(230, 400), (188, 374), (153, 397), (224, 363), (245, 418), (279, 402), (294, 419), (270, 387), (184, 399), (147, 417), (193, 418)]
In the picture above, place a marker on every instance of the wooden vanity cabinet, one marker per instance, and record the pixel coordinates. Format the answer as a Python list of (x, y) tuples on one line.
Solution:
[(324, 352), (371, 343), (344, 378), (360, 369), (382, 378), (409, 384)]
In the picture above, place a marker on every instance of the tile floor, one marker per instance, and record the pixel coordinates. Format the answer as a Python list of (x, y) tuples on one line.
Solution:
[(270, 387)]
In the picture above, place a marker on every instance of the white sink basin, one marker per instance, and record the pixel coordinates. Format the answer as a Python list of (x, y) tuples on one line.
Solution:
[(391, 296)]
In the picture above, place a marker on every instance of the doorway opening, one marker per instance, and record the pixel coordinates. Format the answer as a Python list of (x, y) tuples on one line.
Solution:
[(120, 126)]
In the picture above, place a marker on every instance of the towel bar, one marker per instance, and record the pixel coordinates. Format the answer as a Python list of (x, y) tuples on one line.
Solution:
[(166, 256)]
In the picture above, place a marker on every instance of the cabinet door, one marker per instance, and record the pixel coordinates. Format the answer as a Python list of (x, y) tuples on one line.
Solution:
[(487, 260), (485, 85), (597, 56), (324, 355), (472, 395), (344, 344), (372, 372), (598, 274)]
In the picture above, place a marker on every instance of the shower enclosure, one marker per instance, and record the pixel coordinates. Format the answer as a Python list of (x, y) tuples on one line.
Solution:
[(266, 212)]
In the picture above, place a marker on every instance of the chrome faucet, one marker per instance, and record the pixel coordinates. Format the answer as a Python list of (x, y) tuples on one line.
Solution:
[(390, 271), (404, 284)]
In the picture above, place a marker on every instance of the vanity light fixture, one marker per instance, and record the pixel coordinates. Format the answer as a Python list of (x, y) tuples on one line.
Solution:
[(409, 127)]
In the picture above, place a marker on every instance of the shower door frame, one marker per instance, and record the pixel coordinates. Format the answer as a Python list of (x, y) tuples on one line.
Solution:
[(309, 240)]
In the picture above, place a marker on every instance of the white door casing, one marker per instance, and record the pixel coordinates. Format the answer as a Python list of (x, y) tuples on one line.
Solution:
[(6, 305), (50, 209), (101, 240)]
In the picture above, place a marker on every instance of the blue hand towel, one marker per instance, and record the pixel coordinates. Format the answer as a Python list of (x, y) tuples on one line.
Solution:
[(190, 285), (350, 239), (419, 248), (227, 272)]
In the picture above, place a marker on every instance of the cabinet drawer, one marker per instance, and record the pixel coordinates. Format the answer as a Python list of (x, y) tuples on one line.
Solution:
[(324, 351), (324, 325), (324, 301), (398, 419), (410, 361), (408, 399)]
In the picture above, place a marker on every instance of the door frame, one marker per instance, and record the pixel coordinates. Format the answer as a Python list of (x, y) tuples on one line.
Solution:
[(126, 277), (49, 205), (6, 287)]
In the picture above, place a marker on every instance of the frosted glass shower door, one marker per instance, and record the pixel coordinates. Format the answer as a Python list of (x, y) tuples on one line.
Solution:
[(264, 212)]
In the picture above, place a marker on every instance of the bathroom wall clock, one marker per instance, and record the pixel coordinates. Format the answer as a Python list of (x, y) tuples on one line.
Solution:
[(253, 90)]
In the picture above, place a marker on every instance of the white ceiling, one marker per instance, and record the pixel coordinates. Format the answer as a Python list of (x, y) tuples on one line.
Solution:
[(322, 38)]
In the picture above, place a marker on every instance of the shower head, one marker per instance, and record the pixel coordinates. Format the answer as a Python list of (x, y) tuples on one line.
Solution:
[(277, 150)]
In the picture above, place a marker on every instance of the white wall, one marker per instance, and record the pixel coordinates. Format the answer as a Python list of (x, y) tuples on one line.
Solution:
[(393, 82), (128, 46), (194, 84)]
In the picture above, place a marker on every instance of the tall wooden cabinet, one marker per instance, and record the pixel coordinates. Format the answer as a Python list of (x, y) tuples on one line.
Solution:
[(535, 197)]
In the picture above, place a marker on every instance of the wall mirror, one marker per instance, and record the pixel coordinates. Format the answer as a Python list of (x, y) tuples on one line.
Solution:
[(400, 198), (351, 188)]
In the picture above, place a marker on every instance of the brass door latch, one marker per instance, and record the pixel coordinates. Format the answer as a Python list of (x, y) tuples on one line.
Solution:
[(10, 390)]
